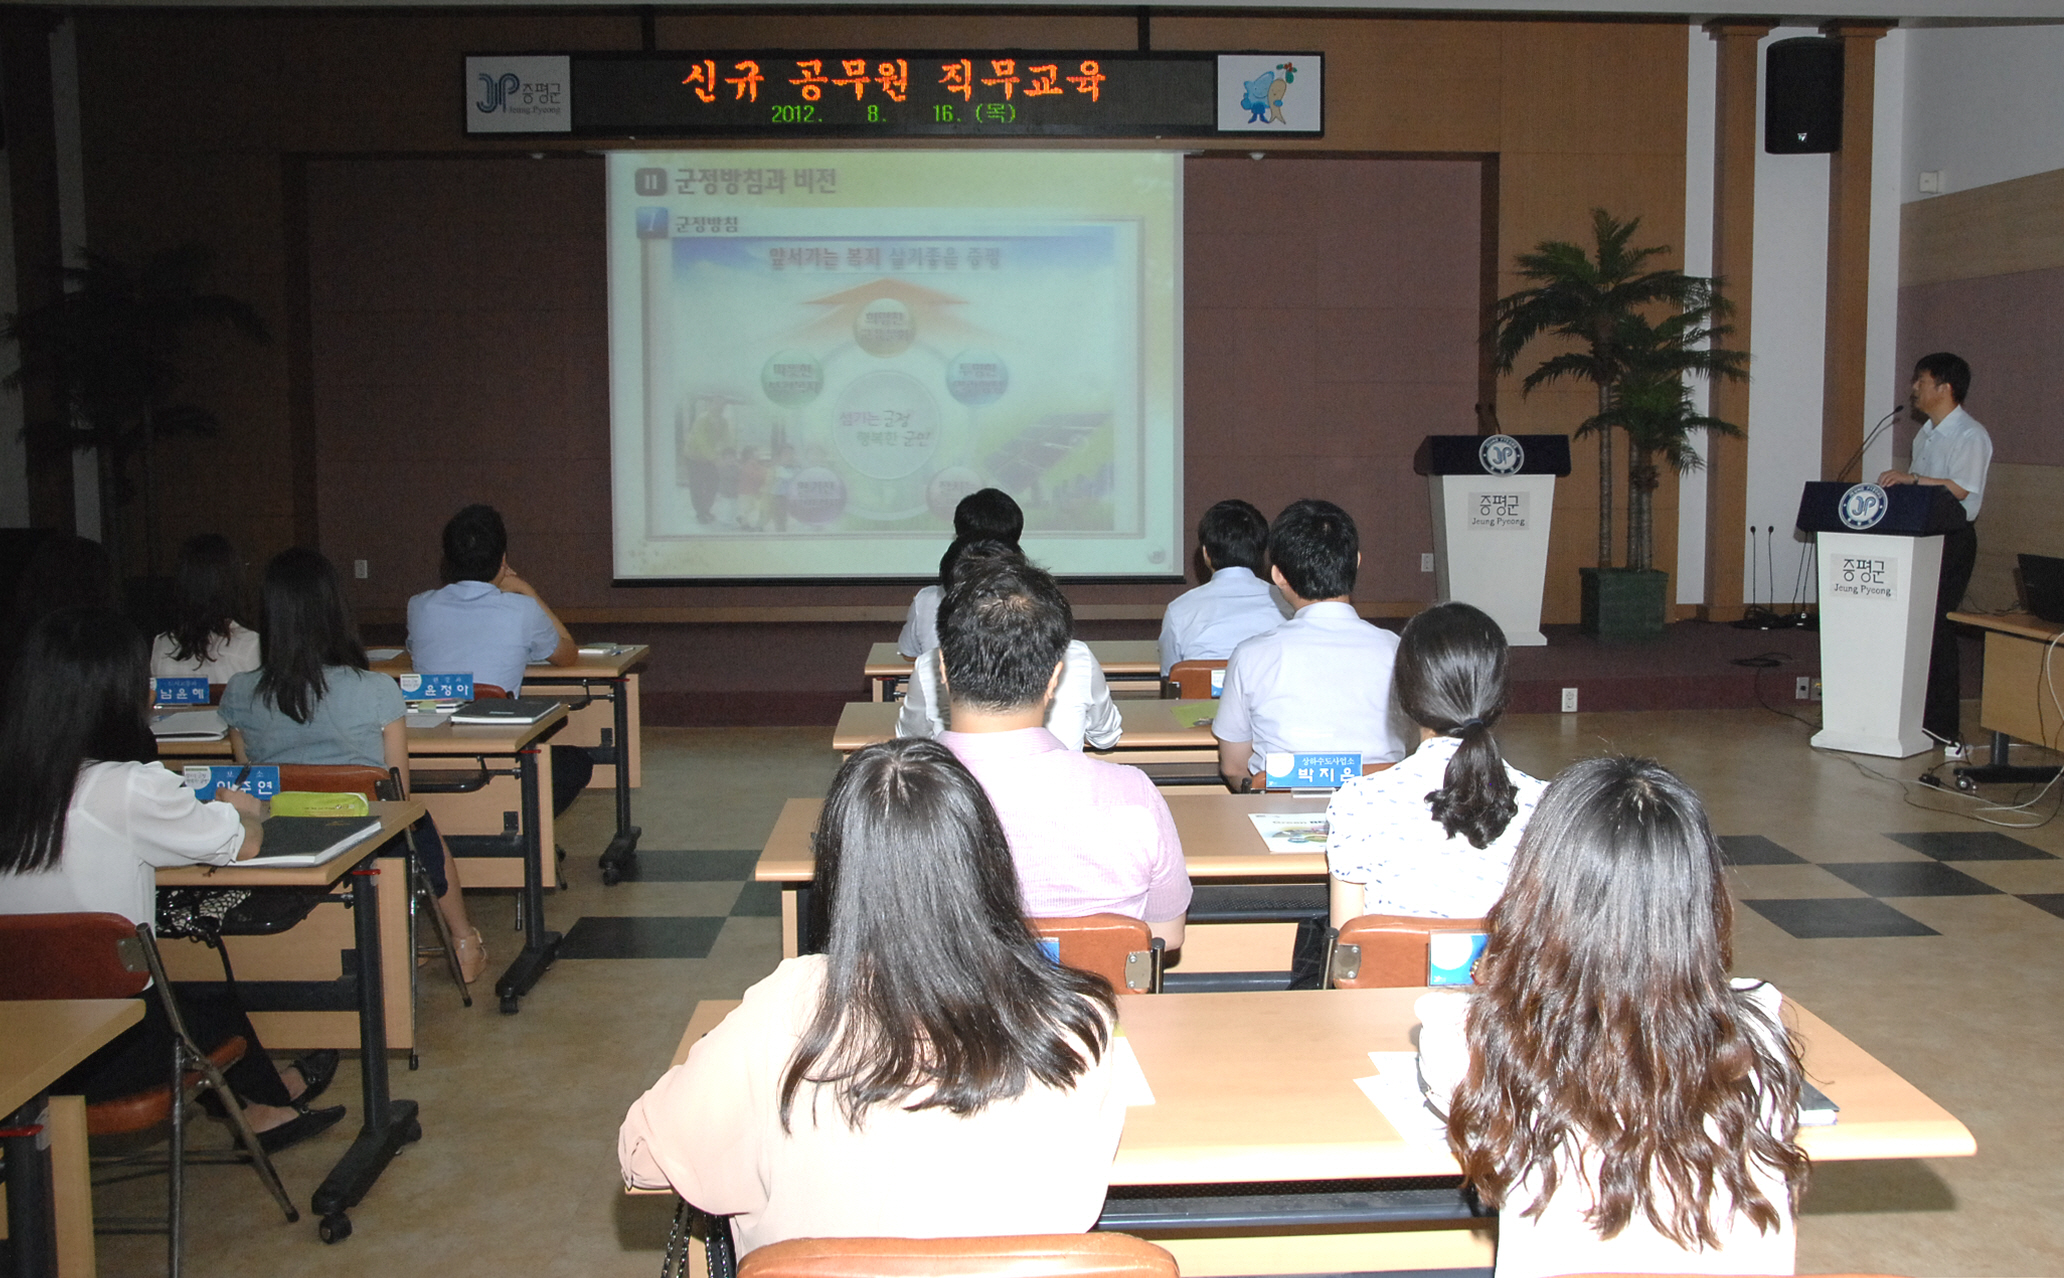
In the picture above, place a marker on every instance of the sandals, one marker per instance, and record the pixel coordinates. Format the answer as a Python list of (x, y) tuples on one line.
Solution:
[(472, 951)]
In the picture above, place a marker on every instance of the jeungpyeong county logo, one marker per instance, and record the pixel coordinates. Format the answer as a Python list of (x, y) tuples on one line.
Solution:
[(1863, 506), (518, 94), (1501, 455)]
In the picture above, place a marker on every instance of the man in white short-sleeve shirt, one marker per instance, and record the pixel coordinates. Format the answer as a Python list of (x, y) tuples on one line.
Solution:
[(1952, 452), (1320, 682), (1209, 621), (987, 514)]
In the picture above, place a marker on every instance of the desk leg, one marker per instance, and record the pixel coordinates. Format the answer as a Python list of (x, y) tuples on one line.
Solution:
[(620, 858), (539, 946), (389, 1124), (1997, 771), (31, 1208)]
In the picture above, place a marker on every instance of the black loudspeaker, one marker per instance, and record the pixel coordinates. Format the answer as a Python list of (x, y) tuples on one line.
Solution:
[(1802, 96)]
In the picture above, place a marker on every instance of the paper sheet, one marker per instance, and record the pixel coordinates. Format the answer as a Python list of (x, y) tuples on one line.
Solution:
[(1394, 1091), (1131, 1079), (1291, 831), (202, 724)]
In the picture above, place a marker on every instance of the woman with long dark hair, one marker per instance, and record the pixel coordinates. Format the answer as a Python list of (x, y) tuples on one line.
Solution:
[(1623, 1104), (1433, 835), (87, 815), (207, 638), (314, 700), (932, 1073)]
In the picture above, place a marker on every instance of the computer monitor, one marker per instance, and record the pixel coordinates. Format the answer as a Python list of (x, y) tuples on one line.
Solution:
[(2042, 581)]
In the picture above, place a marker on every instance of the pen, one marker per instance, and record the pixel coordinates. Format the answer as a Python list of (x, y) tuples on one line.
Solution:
[(238, 784)]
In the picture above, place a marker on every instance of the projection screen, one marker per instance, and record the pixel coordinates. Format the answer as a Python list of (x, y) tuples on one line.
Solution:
[(815, 354)]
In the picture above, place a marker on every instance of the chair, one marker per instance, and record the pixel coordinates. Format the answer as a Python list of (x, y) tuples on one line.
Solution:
[(382, 783), (1191, 680), (457, 780), (1097, 1255), (1385, 951), (87, 956), (1121, 950)]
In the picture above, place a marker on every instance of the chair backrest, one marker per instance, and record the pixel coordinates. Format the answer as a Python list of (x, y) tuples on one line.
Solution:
[(1098, 1255), (338, 778), (1260, 783), (485, 691), (1192, 679), (70, 956), (1121, 950), (1693, 1276), (1386, 951)]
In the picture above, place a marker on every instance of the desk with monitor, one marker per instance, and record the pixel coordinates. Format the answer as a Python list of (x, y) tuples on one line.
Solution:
[(1256, 1091), (2023, 685)]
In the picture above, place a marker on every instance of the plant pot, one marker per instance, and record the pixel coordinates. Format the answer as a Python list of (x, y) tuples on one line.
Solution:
[(1625, 604)]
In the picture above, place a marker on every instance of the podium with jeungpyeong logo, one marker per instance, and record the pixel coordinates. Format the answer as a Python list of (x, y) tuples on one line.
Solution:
[(1493, 496), (1880, 558)]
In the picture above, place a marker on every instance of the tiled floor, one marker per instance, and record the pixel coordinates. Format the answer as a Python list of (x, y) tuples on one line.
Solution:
[(1934, 941)]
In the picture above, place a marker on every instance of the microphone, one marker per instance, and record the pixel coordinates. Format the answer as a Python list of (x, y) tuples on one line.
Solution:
[(1863, 447)]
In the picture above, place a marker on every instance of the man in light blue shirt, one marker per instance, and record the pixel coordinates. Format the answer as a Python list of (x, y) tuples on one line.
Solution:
[(1207, 623), (490, 623)]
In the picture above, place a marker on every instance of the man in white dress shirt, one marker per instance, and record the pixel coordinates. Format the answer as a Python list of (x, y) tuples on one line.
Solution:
[(1953, 452), (1320, 682), (1207, 623), (987, 514)]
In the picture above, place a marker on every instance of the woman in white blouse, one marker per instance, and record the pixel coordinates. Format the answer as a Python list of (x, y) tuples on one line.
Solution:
[(931, 1074), (1434, 834), (205, 640), (1081, 709), (1623, 1105), (87, 816)]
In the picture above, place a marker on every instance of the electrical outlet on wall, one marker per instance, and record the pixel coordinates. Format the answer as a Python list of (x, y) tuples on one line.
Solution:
[(1426, 562), (1813, 690), (1569, 700), (358, 569), (1802, 688), (1931, 181)]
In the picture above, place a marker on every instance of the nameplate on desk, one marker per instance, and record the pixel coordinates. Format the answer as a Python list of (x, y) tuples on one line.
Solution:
[(1218, 683), (179, 692), (1451, 957), (1311, 771), (435, 687), (260, 781)]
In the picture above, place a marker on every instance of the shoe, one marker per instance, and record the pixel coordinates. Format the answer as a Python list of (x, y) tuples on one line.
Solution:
[(311, 1122), (472, 950), (317, 1069)]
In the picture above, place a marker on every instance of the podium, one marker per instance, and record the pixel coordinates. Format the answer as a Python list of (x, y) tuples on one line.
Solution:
[(1880, 559), (1493, 497)]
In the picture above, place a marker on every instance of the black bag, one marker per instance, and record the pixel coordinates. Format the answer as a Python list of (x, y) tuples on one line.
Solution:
[(209, 914)]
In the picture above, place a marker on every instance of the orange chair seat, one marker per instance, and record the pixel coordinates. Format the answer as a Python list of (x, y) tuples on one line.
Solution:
[(1098, 1255), (141, 1111)]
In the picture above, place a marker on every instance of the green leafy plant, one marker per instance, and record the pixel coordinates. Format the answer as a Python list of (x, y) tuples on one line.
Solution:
[(1659, 417), (114, 348), (1597, 298)]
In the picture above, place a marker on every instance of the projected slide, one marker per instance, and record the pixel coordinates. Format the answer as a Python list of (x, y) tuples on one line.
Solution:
[(815, 355)]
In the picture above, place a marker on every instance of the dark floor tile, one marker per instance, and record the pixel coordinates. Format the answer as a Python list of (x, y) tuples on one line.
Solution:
[(1909, 878), (2051, 901), (1840, 917), (1970, 845), (627, 938), (695, 867), (758, 901), (1754, 849)]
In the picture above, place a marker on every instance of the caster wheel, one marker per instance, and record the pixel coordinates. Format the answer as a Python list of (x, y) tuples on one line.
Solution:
[(611, 876), (334, 1229), (508, 1005), (414, 1132)]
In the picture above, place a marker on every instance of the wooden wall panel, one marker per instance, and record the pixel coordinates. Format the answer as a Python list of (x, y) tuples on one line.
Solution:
[(1988, 230)]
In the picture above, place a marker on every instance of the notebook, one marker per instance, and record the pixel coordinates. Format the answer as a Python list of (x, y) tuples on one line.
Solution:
[(188, 725), (294, 841), (504, 710)]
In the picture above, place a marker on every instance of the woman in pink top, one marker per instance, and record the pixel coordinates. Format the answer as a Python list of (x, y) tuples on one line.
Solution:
[(933, 1074)]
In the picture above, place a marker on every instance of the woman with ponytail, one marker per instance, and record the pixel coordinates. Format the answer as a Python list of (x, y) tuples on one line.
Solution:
[(1434, 835)]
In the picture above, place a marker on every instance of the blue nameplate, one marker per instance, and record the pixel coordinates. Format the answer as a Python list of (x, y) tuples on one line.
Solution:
[(1451, 957), (1218, 683), (1051, 947), (436, 687), (260, 781), (1311, 771), (179, 692)]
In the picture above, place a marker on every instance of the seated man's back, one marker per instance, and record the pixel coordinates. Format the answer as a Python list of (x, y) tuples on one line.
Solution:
[(476, 628), (1207, 622)]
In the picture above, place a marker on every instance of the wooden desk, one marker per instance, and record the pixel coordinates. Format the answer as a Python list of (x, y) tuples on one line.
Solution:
[(2023, 673), (1152, 732), (49, 1186), (532, 774), (604, 719), (1127, 663), (388, 1123), (1260, 1088), (1219, 845)]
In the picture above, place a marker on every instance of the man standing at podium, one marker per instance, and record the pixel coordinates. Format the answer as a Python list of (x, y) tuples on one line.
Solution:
[(1952, 451)]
